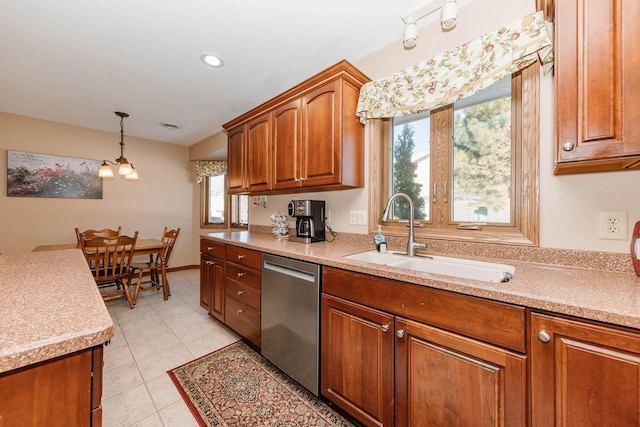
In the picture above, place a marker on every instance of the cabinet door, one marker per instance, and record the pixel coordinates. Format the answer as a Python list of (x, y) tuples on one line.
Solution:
[(287, 145), (444, 379), (357, 360), (216, 307), (583, 374), (205, 282), (321, 138), (258, 154), (52, 393), (597, 82), (236, 160), (212, 293)]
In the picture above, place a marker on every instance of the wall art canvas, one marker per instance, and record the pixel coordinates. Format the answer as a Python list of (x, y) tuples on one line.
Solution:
[(44, 175)]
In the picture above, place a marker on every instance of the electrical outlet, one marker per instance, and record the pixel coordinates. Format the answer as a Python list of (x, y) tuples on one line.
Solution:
[(613, 225), (327, 219)]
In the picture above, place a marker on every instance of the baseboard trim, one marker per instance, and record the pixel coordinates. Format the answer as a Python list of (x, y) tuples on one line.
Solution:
[(184, 267)]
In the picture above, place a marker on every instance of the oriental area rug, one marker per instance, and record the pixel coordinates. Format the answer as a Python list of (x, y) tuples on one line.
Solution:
[(235, 386)]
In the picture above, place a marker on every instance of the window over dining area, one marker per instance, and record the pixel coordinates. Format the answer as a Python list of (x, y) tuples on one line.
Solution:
[(221, 210), (218, 209)]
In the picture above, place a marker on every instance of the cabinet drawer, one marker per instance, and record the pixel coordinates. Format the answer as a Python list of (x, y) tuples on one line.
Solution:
[(243, 293), (214, 249), (243, 319), (490, 321), (243, 256), (243, 274)]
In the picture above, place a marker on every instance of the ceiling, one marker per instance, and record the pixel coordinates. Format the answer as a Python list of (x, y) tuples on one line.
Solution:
[(79, 61)]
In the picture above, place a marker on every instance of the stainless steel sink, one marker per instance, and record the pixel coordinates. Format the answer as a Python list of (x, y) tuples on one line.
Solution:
[(446, 266)]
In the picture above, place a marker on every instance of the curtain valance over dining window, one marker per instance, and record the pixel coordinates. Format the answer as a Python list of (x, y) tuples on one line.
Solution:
[(204, 168), (459, 72)]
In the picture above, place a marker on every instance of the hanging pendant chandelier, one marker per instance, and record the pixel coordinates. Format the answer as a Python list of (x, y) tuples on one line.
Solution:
[(124, 167)]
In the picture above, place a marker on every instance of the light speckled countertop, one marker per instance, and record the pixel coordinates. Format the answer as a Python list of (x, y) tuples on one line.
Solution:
[(50, 307), (607, 296)]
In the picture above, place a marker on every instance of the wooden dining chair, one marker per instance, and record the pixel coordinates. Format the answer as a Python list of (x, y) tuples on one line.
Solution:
[(109, 259), (90, 233), (156, 267)]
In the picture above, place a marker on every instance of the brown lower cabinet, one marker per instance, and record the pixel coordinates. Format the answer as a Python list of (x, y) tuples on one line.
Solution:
[(212, 290), (65, 391), (230, 286), (436, 378), (583, 374), (385, 369), (243, 284)]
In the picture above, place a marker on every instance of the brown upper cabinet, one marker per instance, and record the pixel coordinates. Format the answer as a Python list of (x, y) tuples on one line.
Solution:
[(249, 152), (305, 139), (597, 85)]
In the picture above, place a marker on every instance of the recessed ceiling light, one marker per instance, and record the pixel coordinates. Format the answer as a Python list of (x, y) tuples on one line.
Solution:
[(212, 60), (171, 126)]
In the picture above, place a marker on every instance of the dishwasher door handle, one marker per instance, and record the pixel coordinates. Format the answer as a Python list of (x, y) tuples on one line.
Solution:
[(287, 271)]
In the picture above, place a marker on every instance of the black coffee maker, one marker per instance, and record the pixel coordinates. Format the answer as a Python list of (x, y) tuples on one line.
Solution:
[(309, 215)]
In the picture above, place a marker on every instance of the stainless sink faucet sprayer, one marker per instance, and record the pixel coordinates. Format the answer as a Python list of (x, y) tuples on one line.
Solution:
[(411, 244)]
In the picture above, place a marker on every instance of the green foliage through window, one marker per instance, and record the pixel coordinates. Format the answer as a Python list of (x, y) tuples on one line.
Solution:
[(405, 177)]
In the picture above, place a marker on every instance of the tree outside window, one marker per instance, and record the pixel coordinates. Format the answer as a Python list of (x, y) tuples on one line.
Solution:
[(405, 176)]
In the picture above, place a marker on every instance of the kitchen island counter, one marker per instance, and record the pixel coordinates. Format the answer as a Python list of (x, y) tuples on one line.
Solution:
[(49, 307), (607, 296)]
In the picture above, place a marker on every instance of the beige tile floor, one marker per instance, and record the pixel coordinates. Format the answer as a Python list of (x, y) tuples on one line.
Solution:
[(154, 337)]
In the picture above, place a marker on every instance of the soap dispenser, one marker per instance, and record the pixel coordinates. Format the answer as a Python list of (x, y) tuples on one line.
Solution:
[(380, 241)]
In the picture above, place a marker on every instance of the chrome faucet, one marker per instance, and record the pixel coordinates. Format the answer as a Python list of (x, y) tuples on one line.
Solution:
[(411, 244)]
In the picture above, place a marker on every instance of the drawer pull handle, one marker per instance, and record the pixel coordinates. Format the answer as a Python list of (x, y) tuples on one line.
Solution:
[(400, 333), (241, 256), (241, 274), (209, 248), (240, 310), (544, 336), (385, 328), (240, 293)]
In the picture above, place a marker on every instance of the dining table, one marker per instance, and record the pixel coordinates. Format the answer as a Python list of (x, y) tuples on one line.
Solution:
[(143, 247)]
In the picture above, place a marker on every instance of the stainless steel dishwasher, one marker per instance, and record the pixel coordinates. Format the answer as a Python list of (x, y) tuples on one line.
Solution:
[(291, 318)]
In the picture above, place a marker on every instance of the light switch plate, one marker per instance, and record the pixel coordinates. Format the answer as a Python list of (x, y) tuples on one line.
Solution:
[(358, 217)]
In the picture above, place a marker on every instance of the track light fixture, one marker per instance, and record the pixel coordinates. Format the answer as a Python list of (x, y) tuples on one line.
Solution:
[(410, 35), (124, 167), (449, 14), (448, 19)]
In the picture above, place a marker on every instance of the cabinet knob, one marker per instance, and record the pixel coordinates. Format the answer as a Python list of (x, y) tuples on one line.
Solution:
[(544, 336), (568, 146), (240, 310), (400, 333), (240, 293), (209, 248), (302, 179), (240, 274), (240, 256), (296, 180), (385, 328)]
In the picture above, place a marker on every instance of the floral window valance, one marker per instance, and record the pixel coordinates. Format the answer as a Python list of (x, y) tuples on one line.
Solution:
[(204, 168), (459, 72)]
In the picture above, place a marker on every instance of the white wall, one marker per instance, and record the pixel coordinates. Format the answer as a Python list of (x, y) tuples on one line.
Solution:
[(569, 205), (162, 197)]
